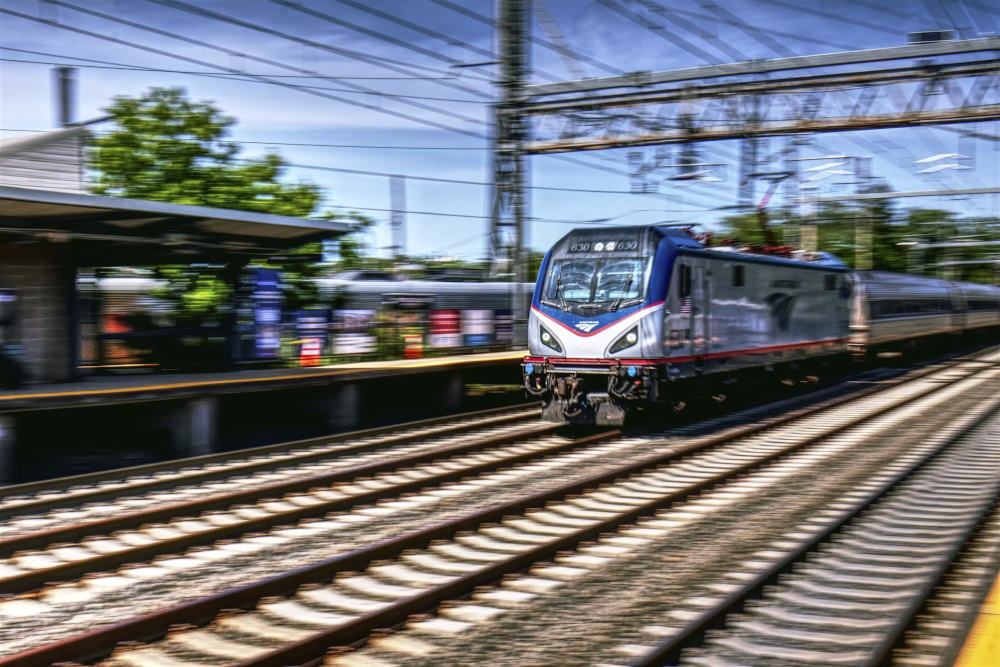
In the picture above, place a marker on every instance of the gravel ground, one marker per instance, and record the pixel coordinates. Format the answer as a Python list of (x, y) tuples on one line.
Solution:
[(112, 598), (594, 619)]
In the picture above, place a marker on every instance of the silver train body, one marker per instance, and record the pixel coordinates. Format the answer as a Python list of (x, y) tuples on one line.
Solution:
[(613, 330)]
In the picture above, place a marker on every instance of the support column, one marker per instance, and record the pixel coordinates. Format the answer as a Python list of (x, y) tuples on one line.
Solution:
[(453, 392), (344, 408), (195, 426), (7, 444), (509, 216)]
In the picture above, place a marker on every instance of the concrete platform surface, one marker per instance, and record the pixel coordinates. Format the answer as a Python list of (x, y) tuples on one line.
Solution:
[(982, 647)]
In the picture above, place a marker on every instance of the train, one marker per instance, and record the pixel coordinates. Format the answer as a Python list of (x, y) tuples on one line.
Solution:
[(620, 318), (125, 323)]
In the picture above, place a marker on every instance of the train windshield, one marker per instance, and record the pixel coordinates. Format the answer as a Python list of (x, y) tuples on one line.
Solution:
[(595, 285)]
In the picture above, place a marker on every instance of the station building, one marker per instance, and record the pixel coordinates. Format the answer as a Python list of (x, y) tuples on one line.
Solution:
[(52, 230), (50, 227)]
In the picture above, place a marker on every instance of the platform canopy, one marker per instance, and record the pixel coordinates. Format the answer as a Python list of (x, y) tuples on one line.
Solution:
[(110, 230)]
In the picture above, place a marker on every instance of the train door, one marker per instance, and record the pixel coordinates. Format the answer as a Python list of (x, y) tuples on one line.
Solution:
[(699, 311)]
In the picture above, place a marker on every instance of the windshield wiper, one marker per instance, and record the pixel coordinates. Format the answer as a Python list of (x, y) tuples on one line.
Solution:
[(559, 293), (618, 302)]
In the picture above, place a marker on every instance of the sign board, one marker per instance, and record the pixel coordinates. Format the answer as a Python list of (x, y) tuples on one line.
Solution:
[(477, 327), (353, 331), (266, 304), (445, 328), (311, 328)]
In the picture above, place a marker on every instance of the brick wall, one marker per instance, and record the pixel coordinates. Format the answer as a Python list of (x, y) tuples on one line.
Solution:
[(43, 277)]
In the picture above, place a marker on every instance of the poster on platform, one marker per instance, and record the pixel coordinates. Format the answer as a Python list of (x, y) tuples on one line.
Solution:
[(445, 329), (353, 331), (477, 328), (266, 302)]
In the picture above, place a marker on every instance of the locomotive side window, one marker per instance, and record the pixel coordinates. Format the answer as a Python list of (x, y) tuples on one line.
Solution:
[(739, 279), (684, 282)]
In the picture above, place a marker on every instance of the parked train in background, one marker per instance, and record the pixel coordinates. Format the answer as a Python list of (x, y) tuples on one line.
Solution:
[(619, 317), (363, 314)]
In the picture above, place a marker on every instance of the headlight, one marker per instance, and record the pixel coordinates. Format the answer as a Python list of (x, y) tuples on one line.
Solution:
[(548, 340), (626, 341)]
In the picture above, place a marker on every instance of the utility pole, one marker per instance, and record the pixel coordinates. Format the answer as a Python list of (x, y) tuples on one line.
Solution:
[(397, 218), (748, 157), (507, 232)]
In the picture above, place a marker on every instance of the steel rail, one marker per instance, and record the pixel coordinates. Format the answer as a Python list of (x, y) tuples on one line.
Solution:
[(492, 417), (274, 490), (32, 579), (668, 651), (882, 654), (71, 569), (154, 625), (351, 632)]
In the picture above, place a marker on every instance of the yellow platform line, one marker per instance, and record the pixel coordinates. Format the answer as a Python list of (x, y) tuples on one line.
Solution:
[(318, 372), (982, 646)]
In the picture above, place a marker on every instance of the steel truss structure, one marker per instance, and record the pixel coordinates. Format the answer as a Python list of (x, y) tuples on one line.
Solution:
[(935, 83), (508, 205), (734, 102)]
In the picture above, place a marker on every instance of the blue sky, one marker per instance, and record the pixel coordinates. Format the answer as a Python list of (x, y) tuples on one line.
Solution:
[(269, 113)]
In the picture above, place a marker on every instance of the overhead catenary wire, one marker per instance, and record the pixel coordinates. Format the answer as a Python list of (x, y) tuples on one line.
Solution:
[(482, 18), (230, 70), (430, 179), (758, 35), (364, 7), (323, 16), (242, 78), (177, 5), (231, 52), (852, 21), (556, 221), (277, 142), (659, 30), (47, 54), (237, 73)]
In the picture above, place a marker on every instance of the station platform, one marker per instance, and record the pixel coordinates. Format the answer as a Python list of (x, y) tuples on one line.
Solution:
[(108, 390), (103, 421), (982, 646)]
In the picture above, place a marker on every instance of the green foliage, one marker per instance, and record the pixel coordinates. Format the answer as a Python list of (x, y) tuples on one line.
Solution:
[(167, 148), (351, 247), (897, 238), (198, 296)]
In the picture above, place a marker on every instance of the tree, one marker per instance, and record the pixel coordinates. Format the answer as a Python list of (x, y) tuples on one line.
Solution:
[(167, 148)]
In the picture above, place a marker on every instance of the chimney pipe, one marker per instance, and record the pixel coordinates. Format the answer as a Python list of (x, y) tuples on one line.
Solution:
[(64, 79)]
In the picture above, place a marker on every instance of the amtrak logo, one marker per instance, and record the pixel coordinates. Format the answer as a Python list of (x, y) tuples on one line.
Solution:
[(781, 308), (587, 326)]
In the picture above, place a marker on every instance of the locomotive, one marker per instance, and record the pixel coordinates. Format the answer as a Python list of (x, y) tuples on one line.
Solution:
[(620, 316)]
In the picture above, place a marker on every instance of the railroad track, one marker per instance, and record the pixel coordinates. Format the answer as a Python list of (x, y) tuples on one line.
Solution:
[(194, 476), (106, 597), (449, 560), (851, 601)]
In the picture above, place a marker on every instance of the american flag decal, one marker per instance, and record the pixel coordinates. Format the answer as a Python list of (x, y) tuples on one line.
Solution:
[(686, 306)]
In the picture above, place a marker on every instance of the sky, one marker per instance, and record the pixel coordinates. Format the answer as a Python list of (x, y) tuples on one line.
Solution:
[(401, 106)]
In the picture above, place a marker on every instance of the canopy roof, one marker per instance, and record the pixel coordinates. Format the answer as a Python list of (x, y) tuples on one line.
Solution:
[(113, 229)]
